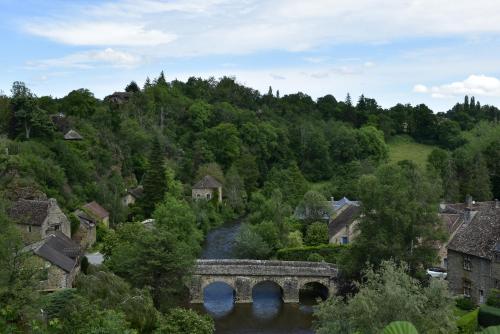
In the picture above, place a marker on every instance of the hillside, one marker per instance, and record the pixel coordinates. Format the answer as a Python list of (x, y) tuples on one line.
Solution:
[(405, 148)]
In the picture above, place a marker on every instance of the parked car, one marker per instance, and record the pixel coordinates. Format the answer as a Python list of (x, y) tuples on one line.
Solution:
[(437, 272)]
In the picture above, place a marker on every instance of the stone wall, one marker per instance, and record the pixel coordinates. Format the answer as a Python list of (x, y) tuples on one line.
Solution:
[(479, 276)]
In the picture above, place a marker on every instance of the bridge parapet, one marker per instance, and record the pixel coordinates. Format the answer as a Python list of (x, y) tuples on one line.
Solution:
[(243, 275)]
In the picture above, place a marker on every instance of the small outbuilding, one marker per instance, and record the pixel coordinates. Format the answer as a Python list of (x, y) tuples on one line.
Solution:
[(207, 188), (96, 211), (72, 135)]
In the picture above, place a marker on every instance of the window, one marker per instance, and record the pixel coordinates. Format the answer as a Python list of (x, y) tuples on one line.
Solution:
[(467, 288), (497, 284), (467, 263), (208, 196), (344, 241), (198, 195), (29, 228), (497, 257), (56, 227)]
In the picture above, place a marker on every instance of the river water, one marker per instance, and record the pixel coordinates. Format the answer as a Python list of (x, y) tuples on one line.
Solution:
[(267, 314)]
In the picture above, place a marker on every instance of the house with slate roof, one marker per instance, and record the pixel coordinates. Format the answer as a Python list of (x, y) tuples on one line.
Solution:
[(96, 211), (132, 195), (38, 218), (474, 251), (58, 256), (342, 225), (207, 188)]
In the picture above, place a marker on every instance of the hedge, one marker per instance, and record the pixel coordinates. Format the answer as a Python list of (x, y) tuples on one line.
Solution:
[(494, 298), (468, 323), (330, 253), (489, 316), (465, 304)]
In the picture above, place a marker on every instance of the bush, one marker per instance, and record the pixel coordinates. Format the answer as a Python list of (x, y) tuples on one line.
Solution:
[(494, 298), (316, 234), (465, 304), (315, 257), (329, 253), (489, 316), (468, 323)]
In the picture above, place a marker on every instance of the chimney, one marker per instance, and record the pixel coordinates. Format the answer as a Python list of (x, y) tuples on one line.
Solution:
[(52, 202), (468, 201)]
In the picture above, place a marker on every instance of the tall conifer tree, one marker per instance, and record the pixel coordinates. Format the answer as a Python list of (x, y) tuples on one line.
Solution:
[(155, 180)]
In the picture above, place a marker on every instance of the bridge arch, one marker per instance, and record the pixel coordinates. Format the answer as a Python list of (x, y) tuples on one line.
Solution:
[(312, 290), (271, 283)]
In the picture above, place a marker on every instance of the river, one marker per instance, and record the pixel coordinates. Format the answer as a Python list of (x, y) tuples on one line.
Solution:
[(267, 314)]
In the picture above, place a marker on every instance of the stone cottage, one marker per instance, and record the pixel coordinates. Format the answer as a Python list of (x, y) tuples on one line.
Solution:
[(85, 236), (38, 218), (96, 211), (474, 252), (342, 225), (58, 256), (207, 188), (132, 195)]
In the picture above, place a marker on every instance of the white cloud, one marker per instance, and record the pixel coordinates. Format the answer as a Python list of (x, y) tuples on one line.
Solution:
[(89, 59), (480, 85), (101, 33), (201, 27)]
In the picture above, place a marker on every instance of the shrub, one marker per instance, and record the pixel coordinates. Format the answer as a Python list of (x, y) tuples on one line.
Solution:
[(75, 223), (468, 323), (465, 304), (329, 253), (316, 234), (494, 298), (489, 316), (315, 257)]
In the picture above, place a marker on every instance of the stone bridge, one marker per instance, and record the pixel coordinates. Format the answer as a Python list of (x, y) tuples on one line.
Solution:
[(243, 275)]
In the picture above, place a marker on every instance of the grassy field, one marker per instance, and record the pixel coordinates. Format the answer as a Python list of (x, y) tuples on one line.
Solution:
[(405, 148)]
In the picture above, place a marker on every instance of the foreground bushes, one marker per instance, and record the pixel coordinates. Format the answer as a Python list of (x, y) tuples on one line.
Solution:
[(489, 316), (468, 323)]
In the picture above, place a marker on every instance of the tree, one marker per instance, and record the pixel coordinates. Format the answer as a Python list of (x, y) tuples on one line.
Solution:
[(314, 206), (441, 164), (26, 112), (250, 245), (155, 181), (316, 234), (224, 141), (235, 190), (399, 218), (185, 321), (386, 295), (132, 87), (80, 102), (213, 169), (289, 181)]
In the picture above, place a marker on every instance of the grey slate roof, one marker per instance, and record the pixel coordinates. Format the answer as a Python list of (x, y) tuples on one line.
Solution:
[(72, 135), (84, 218), (29, 212), (345, 218), (479, 237), (59, 250), (207, 182), (136, 192)]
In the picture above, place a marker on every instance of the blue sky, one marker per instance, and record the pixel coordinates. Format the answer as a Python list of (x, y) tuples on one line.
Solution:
[(409, 51)]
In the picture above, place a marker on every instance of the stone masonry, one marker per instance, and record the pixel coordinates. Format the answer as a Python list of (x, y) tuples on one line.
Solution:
[(243, 275)]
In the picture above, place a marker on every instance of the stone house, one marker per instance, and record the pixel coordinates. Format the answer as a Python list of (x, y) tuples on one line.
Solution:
[(38, 218), (132, 195), (474, 252), (58, 257), (342, 228), (85, 236), (207, 188), (96, 211)]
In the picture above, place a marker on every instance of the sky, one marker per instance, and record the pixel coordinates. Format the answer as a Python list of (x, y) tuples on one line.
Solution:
[(396, 51)]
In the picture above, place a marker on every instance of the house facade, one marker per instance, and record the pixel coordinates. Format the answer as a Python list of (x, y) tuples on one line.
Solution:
[(86, 234), (132, 195), (206, 189), (474, 252), (38, 218)]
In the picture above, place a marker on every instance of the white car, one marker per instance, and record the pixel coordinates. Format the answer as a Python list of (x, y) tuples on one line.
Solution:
[(437, 273)]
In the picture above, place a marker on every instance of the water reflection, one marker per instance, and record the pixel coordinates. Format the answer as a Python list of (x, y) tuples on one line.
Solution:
[(218, 299), (266, 315)]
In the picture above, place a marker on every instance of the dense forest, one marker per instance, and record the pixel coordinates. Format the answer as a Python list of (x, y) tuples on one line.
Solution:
[(272, 153)]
